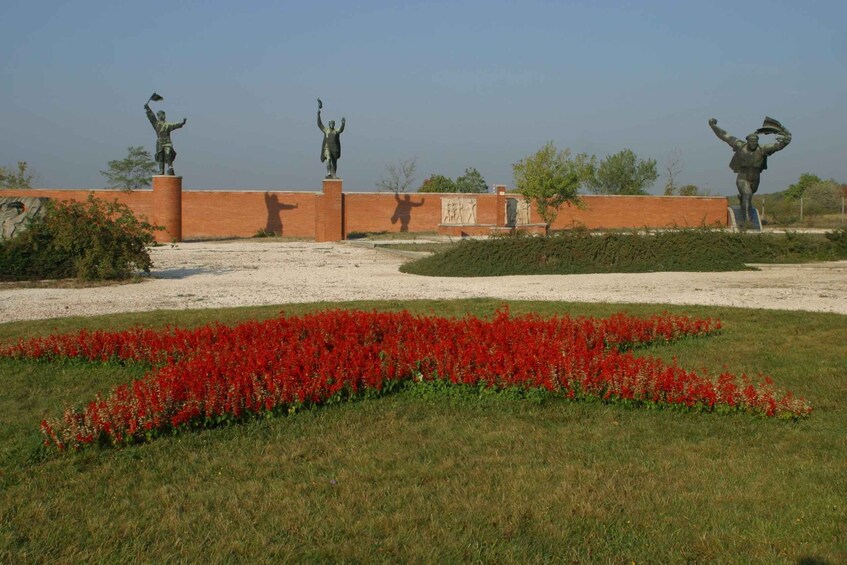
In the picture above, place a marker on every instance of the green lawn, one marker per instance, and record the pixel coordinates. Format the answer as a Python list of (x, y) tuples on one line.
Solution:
[(446, 479)]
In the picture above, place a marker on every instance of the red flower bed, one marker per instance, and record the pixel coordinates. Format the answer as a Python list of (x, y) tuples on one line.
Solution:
[(216, 373)]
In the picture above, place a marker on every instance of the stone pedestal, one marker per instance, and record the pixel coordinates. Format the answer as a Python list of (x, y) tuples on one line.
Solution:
[(329, 212), (167, 207), (735, 221)]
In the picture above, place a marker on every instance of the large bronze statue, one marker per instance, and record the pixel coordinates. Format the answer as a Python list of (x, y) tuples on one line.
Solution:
[(165, 154), (750, 159), (331, 148)]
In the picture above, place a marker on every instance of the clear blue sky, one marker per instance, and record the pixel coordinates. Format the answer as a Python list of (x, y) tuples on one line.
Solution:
[(456, 84)]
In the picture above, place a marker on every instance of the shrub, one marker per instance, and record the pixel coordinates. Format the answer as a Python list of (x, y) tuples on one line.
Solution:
[(91, 240), (579, 251), (838, 237)]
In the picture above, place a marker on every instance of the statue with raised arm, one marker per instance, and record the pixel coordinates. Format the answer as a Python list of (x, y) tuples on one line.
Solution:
[(331, 148), (749, 159), (165, 154)]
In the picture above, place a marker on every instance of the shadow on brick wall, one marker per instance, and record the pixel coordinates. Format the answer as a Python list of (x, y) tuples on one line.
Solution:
[(403, 211), (275, 208)]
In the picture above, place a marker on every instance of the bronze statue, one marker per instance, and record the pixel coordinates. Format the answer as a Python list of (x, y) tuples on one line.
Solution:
[(331, 148), (165, 154), (750, 159)]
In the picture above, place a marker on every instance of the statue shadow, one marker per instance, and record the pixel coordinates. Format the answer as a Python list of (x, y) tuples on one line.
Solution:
[(184, 273), (275, 208), (403, 211)]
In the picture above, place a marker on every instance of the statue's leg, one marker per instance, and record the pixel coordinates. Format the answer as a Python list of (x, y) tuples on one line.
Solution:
[(170, 156), (745, 197)]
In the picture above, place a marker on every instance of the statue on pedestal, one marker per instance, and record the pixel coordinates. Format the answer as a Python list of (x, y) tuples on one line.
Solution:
[(750, 159), (165, 154), (331, 148)]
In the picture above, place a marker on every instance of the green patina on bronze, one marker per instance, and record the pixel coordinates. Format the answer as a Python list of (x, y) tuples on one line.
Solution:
[(331, 148), (165, 154), (749, 159)]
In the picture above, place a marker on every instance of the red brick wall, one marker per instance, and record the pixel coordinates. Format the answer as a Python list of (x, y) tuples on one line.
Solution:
[(211, 214), (377, 212), (643, 211), (141, 201)]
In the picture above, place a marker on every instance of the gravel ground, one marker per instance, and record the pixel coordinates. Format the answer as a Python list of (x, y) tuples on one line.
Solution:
[(258, 272)]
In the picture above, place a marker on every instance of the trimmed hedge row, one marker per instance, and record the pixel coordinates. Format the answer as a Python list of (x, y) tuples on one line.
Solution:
[(581, 252)]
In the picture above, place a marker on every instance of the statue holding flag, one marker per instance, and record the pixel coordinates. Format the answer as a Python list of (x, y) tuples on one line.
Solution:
[(165, 154), (750, 159)]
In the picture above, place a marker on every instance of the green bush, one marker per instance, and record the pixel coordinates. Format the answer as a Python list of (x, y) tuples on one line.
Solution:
[(580, 251), (92, 240), (838, 237)]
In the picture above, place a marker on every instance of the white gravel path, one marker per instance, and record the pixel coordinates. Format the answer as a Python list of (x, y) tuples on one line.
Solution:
[(258, 272)]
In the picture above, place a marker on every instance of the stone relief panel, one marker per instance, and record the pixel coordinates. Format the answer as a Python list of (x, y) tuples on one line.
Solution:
[(461, 211), (517, 212), (15, 213)]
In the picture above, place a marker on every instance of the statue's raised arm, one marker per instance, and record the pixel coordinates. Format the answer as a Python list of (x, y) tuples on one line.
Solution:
[(150, 115), (721, 133), (320, 123), (343, 123), (783, 138)]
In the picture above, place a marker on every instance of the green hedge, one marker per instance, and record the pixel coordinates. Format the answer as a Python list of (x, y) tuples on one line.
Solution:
[(580, 251), (92, 240)]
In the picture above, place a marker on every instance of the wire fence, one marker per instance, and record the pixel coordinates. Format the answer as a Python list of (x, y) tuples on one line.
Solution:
[(802, 211)]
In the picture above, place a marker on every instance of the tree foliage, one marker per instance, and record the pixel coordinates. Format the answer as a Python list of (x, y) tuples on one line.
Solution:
[(623, 173), (798, 189), (134, 171), (438, 183), (823, 197), (399, 176), (550, 178), (91, 240), (471, 181), (691, 190), (9, 178)]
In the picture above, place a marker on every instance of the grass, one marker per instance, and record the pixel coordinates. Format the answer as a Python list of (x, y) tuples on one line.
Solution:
[(446, 478), (580, 251)]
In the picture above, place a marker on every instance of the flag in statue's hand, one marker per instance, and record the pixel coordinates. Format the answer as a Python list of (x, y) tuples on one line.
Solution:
[(771, 126), (156, 97)]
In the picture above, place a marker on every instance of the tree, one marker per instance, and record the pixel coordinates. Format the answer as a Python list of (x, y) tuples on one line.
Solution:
[(691, 190), (398, 176), (822, 197), (673, 167), (438, 183), (623, 173), (797, 189), (11, 179), (550, 178), (471, 181), (134, 171)]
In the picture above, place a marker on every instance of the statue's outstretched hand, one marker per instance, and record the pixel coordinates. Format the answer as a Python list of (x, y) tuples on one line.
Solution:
[(320, 104), (184, 120), (713, 122)]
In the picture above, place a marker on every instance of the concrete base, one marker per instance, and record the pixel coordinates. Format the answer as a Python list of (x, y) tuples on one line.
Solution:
[(735, 221)]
